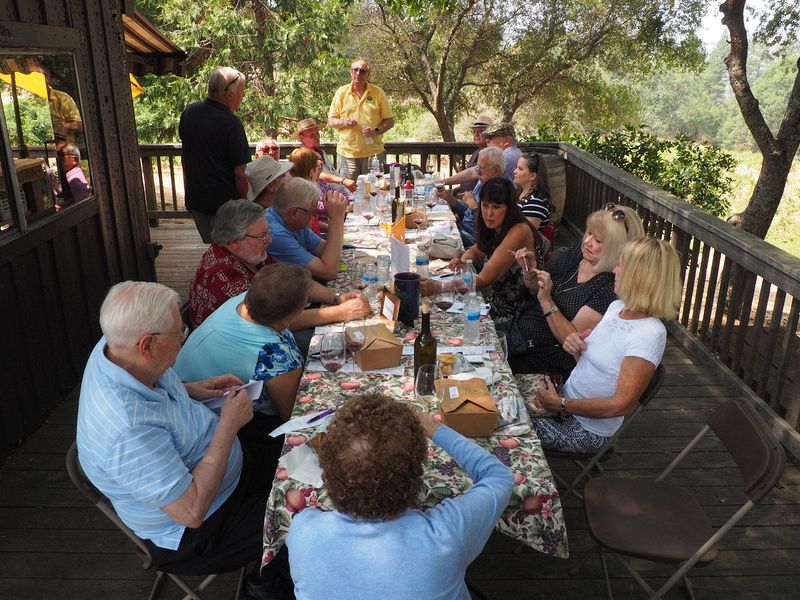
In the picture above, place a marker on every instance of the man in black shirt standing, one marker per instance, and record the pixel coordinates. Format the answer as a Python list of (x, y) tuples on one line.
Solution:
[(215, 149)]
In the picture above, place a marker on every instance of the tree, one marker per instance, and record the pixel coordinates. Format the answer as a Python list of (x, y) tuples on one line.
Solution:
[(289, 51), (512, 54), (777, 150)]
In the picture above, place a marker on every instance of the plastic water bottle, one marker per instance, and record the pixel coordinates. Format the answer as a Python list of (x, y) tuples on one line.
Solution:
[(472, 319), (422, 263), (375, 165), (384, 264), (469, 276), (373, 283), (361, 188)]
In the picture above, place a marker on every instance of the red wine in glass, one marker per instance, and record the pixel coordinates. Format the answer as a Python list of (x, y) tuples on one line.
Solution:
[(460, 286), (332, 362), (432, 201), (444, 304)]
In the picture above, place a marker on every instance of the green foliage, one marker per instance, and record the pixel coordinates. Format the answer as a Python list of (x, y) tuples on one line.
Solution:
[(37, 125), (289, 51), (696, 173)]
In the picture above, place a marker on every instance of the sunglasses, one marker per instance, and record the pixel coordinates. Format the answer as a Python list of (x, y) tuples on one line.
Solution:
[(616, 213), (232, 81)]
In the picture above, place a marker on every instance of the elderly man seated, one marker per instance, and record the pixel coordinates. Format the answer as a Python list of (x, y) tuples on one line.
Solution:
[(372, 460), (292, 239), (268, 146), (175, 473), (265, 176), (308, 134), (237, 252), (490, 164), (76, 179)]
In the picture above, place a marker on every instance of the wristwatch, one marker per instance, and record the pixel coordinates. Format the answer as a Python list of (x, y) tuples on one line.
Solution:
[(563, 412), (336, 297), (552, 311)]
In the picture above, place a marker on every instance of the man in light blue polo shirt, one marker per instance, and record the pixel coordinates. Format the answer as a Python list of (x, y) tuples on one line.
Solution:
[(293, 241), (175, 473)]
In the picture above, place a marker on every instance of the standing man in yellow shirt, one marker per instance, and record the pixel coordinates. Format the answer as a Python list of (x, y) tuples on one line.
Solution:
[(361, 113)]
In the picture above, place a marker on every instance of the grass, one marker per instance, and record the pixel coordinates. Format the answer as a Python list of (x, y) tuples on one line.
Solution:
[(785, 229)]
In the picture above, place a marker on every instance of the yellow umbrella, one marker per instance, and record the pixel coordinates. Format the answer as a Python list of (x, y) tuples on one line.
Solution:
[(35, 83)]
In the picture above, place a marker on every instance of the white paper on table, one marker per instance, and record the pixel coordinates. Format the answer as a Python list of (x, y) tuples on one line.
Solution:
[(253, 388), (408, 350), (297, 424), (399, 257), (301, 464), (439, 227), (315, 365), (388, 308), (458, 308), (323, 329)]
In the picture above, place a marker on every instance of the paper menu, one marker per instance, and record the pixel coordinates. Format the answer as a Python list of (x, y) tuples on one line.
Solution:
[(253, 388), (400, 257)]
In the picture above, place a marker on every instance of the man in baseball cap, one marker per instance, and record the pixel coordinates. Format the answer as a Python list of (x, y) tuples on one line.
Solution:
[(502, 136)]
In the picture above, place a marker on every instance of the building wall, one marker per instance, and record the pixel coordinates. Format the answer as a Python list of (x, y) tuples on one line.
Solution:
[(53, 276)]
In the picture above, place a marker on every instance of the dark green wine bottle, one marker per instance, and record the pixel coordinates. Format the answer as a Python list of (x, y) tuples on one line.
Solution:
[(425, 344)]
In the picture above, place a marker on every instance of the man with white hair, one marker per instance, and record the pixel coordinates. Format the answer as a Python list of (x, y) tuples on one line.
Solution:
[(490, 164), (175, 473), (215, 149), (76, 179), (292, 239)]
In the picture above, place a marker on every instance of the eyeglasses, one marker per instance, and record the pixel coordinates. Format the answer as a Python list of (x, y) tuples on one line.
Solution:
[(263, 237), (184, 333), (232, 81), (480, 170), (359, 70), (616, 213)]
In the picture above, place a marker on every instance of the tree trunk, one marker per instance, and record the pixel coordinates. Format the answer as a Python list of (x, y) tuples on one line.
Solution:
[(766, 197), (445, 124)]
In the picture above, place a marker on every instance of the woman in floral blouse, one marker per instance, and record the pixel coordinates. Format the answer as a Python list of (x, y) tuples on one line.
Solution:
[(249, 336)]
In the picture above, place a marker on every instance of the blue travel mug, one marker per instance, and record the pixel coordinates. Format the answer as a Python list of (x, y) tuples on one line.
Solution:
[(406, 287)]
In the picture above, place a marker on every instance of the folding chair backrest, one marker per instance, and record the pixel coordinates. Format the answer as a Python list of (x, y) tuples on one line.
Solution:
[(652, 388), (96, 497), (752, 444)]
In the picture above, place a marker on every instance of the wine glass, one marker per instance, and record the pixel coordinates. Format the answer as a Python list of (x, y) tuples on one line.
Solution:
[(332, 351), (444, 300), (355, 338), (494, 355), (459, 284), (432, 200), (368, 210), (425, 392), (430, 164), (418, 217)]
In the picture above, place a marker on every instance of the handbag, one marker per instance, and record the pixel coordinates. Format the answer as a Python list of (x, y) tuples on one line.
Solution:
[(445, 247)]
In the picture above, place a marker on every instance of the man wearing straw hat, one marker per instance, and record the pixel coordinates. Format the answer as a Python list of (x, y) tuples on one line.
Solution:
[(308, 133), (361, 113)]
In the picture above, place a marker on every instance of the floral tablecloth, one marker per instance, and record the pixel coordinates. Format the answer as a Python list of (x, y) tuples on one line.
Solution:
[(534, 514)]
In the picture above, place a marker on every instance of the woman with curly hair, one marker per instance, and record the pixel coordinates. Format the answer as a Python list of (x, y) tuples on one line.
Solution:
[(372, 460)]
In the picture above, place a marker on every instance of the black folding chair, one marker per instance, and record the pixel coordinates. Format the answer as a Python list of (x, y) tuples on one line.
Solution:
[(653, 520), (81, 481), (589, 462)]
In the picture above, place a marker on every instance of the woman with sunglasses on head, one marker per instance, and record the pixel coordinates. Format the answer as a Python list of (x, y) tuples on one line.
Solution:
[(615, 360), (308, 166), (572, 291), (501, 229)]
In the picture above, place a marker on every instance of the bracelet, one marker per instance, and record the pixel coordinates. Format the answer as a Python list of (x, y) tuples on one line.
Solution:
[(336, 297), (552, 311)]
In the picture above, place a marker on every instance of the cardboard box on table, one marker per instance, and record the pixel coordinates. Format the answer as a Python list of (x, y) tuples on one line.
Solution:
[(468, 407), (381, 350)]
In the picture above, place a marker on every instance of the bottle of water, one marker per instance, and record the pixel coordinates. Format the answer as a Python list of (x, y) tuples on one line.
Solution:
[(361, 188), (375, 165), (469, 276), (373, 283), (384, 264), (472, 319), (422, 263)]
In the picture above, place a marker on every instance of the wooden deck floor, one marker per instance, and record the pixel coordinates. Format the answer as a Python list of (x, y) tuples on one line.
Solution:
[(54, 545)]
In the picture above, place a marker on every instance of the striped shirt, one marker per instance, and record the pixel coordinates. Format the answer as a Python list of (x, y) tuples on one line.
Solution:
[(138, 445), (535, 208)]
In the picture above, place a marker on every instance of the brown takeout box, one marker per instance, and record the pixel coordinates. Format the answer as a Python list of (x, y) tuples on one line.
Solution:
[(468, 407), (381, 350)]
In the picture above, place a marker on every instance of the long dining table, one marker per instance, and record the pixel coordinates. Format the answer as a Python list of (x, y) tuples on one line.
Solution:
[(534, 515)]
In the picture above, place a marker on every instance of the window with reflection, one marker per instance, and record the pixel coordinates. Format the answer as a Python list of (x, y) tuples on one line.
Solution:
[(44, 128)]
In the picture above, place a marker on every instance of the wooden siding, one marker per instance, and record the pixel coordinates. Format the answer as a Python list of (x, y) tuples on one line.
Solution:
[(53, 276)]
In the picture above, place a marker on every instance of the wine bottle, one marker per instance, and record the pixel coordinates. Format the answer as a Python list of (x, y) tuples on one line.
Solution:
[(395, 203), (425, 344)]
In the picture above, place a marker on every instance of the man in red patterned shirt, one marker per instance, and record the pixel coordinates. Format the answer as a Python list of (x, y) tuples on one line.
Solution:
[(239, 249)]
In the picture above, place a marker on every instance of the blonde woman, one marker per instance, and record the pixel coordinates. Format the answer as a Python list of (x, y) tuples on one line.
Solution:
[(572, 292), (616, 359)]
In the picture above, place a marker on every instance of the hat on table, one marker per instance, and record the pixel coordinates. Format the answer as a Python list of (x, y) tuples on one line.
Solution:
[(501, 129), (482, 121), (305, 125), (263, 171)]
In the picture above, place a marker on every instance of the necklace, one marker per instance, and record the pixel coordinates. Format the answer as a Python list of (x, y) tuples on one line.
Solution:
[(560, 288)]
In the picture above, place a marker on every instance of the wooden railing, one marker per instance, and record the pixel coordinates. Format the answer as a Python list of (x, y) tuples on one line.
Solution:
[(741, 296)]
